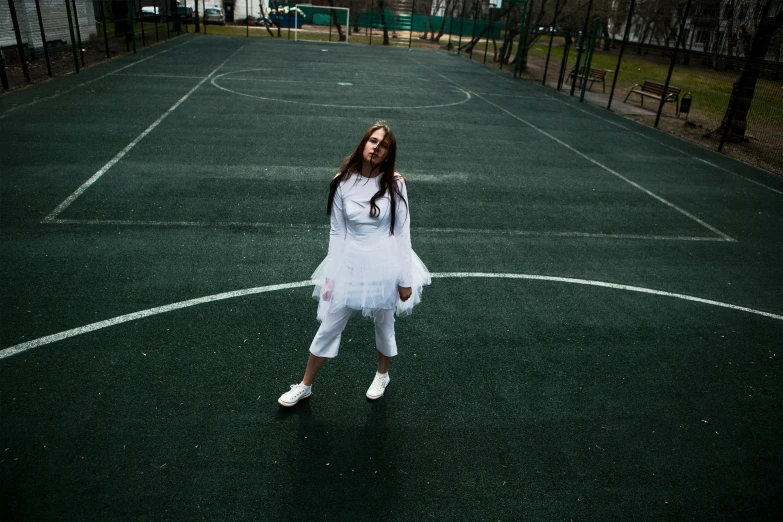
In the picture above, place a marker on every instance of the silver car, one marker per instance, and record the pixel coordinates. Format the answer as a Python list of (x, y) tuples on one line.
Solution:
[(214, 15)]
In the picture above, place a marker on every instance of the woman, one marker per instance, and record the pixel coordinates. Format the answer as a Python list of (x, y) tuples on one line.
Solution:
[(370, 267)]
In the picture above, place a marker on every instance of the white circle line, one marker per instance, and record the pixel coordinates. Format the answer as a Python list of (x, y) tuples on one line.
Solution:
[(214, 82), (19, 348)]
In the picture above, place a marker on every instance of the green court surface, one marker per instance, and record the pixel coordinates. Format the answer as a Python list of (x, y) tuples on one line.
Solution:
[(601, 340)]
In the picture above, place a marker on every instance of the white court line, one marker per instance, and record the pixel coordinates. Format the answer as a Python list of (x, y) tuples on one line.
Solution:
[(597, 163), (672, 147), (537, 98), (429, 230), (91, 81), (19, 348), (201, 224), (596, 235), (130, 75), (216, 78), (374, 85), (87, 184), (501, 75)]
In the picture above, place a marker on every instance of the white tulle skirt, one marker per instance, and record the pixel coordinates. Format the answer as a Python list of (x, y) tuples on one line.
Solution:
[(366, 281)]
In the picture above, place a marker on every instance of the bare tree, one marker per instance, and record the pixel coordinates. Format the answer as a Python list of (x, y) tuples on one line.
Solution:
[(382, 8), (264, 17), (744, 91), (336, 21), (436, 38)]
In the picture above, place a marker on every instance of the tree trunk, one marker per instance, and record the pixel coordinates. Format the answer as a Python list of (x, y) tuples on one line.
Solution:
[(263, 16), (383, 22), (468, 47), (336, 22), (605, 32), (119, 11), (641, 41), (745, 87), (526, 39), (436, 38), (357, 17), (279, 15)]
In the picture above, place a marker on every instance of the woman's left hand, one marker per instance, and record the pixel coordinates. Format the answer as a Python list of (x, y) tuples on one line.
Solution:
[(405, 293)]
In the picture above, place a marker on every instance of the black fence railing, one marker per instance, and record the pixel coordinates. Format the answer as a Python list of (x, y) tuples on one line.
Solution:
[(710, 75), (41, 39)]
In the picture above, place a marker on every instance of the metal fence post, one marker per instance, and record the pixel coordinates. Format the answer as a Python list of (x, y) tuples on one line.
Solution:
[(674, 60), (551, 38), (3, 76), (73, 37), (156, 17), (589, 59), (141, 21), (78, 32), (372, 14), (451, 23), (102, 14), (473, 31), (461, 25), (564, 62), (505, 38), (622, 50), (490, 31), (522, 37), (132, 17), (43, 37), (413, 17), (580, 46), (19, 43)]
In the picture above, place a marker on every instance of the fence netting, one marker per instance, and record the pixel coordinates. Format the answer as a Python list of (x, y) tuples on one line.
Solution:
[(44, 38), (709, 71)]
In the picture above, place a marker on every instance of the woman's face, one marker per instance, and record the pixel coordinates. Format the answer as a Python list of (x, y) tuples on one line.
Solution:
[(376, 148)]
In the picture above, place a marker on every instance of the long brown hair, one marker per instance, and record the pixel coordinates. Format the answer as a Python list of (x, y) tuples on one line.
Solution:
[(353, 164)]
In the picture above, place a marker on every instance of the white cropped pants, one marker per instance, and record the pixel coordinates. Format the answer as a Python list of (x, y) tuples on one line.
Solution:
[(327, 340)]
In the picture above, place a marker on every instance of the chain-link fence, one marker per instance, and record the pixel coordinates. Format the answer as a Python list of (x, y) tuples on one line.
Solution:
[(709, 71), (45, 38)]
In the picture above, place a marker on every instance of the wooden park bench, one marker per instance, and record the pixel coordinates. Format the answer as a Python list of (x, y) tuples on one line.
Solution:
[(654, 90), (596, 75)]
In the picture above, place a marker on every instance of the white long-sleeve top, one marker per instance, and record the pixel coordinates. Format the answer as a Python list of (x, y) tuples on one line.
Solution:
[(352, 227)]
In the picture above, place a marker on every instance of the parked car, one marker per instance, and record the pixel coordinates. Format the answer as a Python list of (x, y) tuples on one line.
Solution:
[(150, 14), (214, 15), (185, 14)]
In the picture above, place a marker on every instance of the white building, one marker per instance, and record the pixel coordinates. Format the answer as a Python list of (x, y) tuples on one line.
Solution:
[(55, 20)]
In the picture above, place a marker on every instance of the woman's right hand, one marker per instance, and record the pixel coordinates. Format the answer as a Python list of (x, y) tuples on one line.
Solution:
[(326, 290)]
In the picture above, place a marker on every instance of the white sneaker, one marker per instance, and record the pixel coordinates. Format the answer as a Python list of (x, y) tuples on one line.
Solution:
[(378, 386), (297, 393)]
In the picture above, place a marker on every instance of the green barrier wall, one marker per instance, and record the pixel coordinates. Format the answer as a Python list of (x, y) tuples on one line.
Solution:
[(399, 21), (418, 23)]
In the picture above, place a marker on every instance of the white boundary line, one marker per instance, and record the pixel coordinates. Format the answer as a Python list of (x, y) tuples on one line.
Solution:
[(160, 76), (87, 184), (528, 97), (216, 78), (502, 76), (481, 231), (595, 162), (19, 348), (6, 113), (203, 224), (650, 138)]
